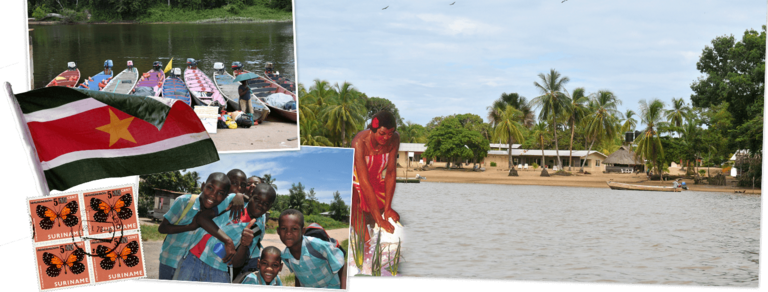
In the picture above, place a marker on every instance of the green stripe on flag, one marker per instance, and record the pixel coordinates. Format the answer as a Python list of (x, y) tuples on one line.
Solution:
[(85, 170), (145, 108)]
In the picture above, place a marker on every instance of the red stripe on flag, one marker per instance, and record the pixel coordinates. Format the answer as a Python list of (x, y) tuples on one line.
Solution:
[(79, 132)]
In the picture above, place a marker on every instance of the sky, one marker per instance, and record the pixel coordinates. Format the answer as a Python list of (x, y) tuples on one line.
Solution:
[(434, 59), (326, 169)]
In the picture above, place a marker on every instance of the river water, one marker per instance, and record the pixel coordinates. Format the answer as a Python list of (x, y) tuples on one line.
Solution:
[(579, 234), (89, 45)]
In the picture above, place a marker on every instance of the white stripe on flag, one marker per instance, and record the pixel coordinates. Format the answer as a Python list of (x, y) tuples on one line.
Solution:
[(63, 111), (124, 152)]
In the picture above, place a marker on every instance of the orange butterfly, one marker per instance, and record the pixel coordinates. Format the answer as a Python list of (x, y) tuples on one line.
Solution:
[(65, 214), (126, 255), (73, 262), (120, 208)]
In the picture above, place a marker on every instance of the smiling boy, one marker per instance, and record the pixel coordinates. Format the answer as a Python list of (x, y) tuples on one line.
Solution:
[(214, 194), (270, 265), (301, 255)]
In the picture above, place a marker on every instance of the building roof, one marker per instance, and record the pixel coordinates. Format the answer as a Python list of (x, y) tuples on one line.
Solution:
[(537, 153), (623, 156), (172, 192), (413, 147), (505, 146), (739, 153)]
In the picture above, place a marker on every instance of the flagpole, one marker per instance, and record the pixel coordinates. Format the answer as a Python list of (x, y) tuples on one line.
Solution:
[(23, 130)]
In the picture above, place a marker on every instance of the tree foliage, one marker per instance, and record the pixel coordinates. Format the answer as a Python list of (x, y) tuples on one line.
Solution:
[(455, 142), (171, 181)]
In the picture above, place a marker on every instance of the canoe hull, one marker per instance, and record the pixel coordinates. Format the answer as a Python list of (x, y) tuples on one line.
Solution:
[(228, 88), (272, 87), (623, 186), (201, 87), (67, 78), (154, 80)]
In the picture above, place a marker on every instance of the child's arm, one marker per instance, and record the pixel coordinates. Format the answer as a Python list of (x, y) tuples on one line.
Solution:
[(245, 244), (167, 228), (204, 219), (297, 284), (343, 276)]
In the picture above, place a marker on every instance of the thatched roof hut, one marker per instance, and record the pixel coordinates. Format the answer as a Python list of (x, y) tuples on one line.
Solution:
[(623, 156)]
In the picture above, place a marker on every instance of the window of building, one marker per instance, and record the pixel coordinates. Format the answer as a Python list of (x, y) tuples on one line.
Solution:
[(597, 162)]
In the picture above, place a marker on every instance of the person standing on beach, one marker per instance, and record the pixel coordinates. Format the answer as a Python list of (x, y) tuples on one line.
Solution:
[(245, 97), (374, 172)]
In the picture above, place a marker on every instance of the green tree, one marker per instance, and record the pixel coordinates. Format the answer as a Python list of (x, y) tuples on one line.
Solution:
[(297, 198), (576, 111), (509, 128), (268, 179), (312, 203), (603, 123), (344, 113), (677, 113), (540, 133), (451, 140), (629, 122), (373, 105), (339, 210), (171, 181), (649, 143), (412, 133), (552, 101)]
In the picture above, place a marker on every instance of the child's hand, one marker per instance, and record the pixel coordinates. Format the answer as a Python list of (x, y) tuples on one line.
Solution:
[(389, 213), (247, 238), (236, 206), (229, 248)]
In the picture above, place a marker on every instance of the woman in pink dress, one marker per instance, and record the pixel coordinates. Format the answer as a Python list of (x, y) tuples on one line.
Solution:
[(374, 172)]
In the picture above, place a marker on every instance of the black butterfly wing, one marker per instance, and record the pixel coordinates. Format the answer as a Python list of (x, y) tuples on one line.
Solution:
[(74, 261), (128, 254), (123, 205), (131, 260), (45, 213), (102, 209), (125, 213), (54, 264), (108, 257), (69, 213)]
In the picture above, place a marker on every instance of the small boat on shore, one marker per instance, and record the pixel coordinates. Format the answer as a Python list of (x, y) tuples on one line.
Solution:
[(228, 88), (151, 82), (98, 81), (174, 87), (279, 100), (623, 186), (68, 78), (200, 86), (273, 75), (124, 82)]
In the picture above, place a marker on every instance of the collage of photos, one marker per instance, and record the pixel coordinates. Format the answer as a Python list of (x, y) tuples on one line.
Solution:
[(383, 146)]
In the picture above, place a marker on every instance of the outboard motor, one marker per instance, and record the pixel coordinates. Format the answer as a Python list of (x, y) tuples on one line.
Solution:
[(237, 68), (157, 65), (130, 65), (269, 68), (176, 72), (191, 63), (71, 66), (219, 67), (108, 66)]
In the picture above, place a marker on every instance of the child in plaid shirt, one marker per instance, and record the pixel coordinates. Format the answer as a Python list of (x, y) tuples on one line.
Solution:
[(315, 262), (270, 265)]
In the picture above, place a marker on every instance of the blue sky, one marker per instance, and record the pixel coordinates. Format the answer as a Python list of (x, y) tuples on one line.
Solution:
[(326, 169), (435, 59)]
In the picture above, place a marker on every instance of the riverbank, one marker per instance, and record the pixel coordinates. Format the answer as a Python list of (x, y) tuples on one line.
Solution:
[(204, 21), (533, 177)]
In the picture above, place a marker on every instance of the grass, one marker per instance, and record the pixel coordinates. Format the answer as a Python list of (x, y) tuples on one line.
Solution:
[(162, 13), (326, 222), (345, 246), (150, 233), (289, 280)]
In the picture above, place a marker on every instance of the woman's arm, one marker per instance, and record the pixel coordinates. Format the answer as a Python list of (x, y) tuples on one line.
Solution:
[(365, 185), (391, 179)]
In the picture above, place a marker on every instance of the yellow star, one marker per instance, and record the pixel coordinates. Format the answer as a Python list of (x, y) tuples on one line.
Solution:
[(117, 129)]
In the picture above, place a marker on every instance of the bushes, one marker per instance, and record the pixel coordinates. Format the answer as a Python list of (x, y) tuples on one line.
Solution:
[(40, 12), (493, 164)]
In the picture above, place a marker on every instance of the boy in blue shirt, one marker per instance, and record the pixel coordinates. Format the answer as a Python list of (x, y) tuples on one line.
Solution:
[(270, 265), (176, 244), (203, 264), (315, 262)]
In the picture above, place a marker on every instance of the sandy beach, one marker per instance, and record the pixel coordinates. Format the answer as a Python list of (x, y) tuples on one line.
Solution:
[(498, 175), (272, 134)]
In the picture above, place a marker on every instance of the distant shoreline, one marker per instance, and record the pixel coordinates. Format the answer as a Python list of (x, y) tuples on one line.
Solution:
[(205, 21), (494, 175)]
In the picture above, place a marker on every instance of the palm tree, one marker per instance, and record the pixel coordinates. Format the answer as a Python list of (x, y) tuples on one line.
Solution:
[(603, 121), (508, 128), (268, 179), (576, 111), (344, 113), (649, 143), (552, 101), (629, 123), (540, 133), (311, 134), (297, 198), (320, 92), (411, 133), (675, 115)]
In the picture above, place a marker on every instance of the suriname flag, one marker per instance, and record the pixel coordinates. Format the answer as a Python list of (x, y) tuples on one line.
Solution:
[(83, 135)]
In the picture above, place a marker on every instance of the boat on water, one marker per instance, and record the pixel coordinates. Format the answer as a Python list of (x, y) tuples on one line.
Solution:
[(622, 186), (200, 86), (68, 78), (124, 82), (275, 76), (279, 100), (228, 88), (100, 80), (174, 88), (151, 82)]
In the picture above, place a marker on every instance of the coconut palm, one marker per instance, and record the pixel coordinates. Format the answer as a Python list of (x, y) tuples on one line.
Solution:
[(678, 112), (629, 122), (320, 92), (552, 101), (603, 122), (649, 142), (540, 133), (509, 128), (268, 179), (412, 133), (311, 134), (576, 111), (344, 112)]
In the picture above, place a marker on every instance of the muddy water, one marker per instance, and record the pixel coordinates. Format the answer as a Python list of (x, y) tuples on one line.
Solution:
[(579, 234)]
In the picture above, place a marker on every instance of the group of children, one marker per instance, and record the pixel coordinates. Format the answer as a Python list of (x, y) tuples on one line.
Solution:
[(216, 237)]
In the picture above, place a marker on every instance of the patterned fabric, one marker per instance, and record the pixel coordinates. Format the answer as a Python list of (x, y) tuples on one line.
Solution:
[(256, 279), (312, 271), (175, 246), (233, 229), (377, 169)]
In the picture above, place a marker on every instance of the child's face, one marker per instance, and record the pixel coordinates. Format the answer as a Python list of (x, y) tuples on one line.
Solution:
[(270, 265), (259, 204), (251, 184), (214, 192), (238, 184), (289, 229)]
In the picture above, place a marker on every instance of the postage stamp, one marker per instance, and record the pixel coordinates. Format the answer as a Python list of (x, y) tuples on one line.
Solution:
[(111, 210), (56, 217), (117, 259), (62, 265)]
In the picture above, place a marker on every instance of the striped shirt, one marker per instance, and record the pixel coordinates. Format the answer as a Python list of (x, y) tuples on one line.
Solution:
[(316, 272), (175, 246)]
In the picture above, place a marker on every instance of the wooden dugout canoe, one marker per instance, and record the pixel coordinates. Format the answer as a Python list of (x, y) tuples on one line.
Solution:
[(623, 186)]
